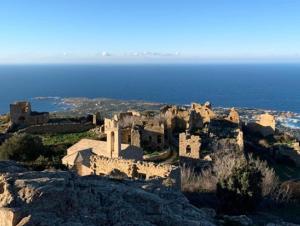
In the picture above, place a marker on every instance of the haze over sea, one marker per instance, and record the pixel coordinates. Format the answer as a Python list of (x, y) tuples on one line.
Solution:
[(266, 86)]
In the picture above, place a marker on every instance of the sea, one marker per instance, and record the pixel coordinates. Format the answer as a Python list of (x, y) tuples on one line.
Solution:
[(264, 86)]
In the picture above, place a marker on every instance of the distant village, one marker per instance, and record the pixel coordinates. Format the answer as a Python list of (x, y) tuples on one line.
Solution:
[(176, 135)]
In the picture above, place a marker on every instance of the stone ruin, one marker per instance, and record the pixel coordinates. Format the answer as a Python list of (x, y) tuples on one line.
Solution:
[(169, 175), (113, 147), (144, 130), (189, 146), (265, 125), (233, 116), (199, 128), (21, 115), (24, 120), (113, 157), (205, 111)]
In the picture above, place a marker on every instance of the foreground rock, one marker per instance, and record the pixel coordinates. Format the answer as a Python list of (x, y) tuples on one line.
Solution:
[(61, 198)]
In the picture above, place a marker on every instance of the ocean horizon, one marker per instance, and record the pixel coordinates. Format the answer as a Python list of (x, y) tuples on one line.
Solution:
[(264, 86)]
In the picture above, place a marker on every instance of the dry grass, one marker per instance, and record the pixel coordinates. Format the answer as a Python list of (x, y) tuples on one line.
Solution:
[(193, 182)]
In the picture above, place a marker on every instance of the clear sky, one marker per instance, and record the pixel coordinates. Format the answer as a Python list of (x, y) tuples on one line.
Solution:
[(90, 31)]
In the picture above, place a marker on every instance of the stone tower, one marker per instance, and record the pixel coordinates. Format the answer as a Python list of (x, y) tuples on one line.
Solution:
[(189, 146), (19, 112), (113, 133)]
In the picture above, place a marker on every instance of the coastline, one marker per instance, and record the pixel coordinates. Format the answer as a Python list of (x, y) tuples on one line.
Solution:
[(82, 106)]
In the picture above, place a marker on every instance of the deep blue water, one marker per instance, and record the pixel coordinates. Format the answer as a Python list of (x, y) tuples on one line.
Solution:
[(253, 85)]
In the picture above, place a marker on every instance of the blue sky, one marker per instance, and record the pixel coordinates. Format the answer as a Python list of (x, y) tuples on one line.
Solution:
[(96, 31)]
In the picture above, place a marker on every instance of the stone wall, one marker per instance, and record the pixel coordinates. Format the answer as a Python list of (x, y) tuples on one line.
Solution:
[(233, 116), (204, 110), (265, 125), (126, 135), (21, 115), (267, 120), (153, 134), (169, 174), (19, 111), (57, 128), (135, 137), (131, 152), (176, 118), (179, 120), (189, 146)]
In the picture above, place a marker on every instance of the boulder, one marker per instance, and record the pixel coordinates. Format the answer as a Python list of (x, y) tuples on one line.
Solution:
[(62, 198)]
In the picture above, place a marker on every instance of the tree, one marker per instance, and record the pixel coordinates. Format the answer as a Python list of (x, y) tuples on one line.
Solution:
[(23, 148)]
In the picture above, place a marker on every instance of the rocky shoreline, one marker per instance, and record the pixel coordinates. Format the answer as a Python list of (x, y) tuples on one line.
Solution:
[(286, 121)]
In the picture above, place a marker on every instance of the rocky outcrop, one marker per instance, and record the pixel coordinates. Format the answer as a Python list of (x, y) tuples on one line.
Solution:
[(61, 198)]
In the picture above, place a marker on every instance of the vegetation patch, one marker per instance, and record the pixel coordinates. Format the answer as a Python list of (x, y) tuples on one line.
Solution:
[(39, 152), (66, 140)]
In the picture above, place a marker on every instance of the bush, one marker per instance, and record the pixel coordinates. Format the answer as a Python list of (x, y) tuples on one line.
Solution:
[(22, 148), (241, 190), (233, 170), (270, 182)]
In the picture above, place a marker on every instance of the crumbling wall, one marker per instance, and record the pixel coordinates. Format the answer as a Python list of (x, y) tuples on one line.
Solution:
[(21, 114), (19, 111), (233, 116), (135, 137), (131, 136), (181, 119), (176, 120), (152, 134), (267, 120), (189, 146), (126, 135), (204, 110), (137, 169), (265, 125), (53, 128)]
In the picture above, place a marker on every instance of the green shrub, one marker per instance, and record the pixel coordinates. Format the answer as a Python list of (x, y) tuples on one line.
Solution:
[(241, 190), (23, 148)]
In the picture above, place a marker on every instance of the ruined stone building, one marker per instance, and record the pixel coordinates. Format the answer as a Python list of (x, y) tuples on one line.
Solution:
[(181, 119), (205, 111), (21, 115), (265, 125), (153, 134), (189, 146), (213, 135), (80, 153), (145, 131), (121, 154)]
